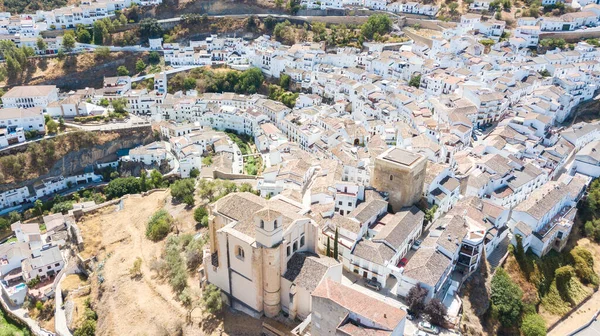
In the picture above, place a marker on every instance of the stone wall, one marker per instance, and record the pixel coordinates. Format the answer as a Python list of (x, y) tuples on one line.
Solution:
[(574, 36)]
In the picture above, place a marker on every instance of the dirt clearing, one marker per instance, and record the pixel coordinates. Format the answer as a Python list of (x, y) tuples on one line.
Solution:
[(146, 305)]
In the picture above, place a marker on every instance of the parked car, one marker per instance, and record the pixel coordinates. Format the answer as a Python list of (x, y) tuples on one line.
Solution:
[(417, 244), (474, 136), (402, 262), (374, 284), (420, 333), (428, 327), (478, 132)]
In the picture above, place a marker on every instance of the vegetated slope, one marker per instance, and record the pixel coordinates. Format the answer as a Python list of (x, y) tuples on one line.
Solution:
[(30, 6), (65, 155), (76, 71)]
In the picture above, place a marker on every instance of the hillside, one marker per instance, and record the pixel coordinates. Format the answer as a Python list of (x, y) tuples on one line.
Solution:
[(73, 72), (65, 154)]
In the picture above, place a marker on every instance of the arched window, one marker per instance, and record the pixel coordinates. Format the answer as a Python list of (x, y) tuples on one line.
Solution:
[(295, 247), (239, 252), (262, 224), (301, 241), (391, 177), (275, 224), (288, 251)]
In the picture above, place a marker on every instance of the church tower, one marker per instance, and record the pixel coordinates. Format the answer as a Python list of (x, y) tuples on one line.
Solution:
[(269, 234)]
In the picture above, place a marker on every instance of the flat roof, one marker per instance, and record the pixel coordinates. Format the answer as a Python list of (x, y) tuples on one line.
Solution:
[(400, 156)]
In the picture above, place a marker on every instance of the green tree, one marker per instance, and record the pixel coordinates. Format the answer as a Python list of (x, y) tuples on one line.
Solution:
[(269, 22), (122, 71), (328, 251), (14, 217), (154, 57), (376, 24), (100, 31), (83, 35), (104, 102), (140, 65), (189, 83), (415, 81), (149, 28), (194, 173), (122, 186), (143, 180), (436, 311), (39, 207), (211, 299), (68, 41), (119, 105), (416, 299), (41, 45), (335, 244), (51, 126), (506, 298), (183, 188), (533, 325), (156, 178), (284, 81)]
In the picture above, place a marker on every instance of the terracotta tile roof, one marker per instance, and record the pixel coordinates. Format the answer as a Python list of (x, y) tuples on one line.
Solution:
[(359, 303)]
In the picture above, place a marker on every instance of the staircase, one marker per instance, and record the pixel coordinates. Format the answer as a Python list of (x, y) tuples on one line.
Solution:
[(500, 252)]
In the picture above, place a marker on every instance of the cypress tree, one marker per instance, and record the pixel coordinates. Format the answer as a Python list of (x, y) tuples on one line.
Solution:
[(328, 247), (335, 245)]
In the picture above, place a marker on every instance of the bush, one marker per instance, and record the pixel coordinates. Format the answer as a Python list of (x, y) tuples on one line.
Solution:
[(533, 325), (584, 265), (122, 71), (193, 254), (211, 299), (563, 277), (159, 225), (136, 270), (194, 173), (201, 216)]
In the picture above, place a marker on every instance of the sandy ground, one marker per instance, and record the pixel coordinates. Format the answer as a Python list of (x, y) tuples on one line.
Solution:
[(145, 306)]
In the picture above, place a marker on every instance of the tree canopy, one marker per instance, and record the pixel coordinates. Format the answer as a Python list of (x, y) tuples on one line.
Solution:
[(506, 298), (379, 24)]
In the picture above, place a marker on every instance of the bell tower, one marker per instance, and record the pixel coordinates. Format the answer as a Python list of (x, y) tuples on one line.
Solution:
[(269, 234)]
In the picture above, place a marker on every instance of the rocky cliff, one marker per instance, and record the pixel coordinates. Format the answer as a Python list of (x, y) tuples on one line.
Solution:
[(75, 161)]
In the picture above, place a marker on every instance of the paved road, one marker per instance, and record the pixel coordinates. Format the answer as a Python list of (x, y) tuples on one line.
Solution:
[(168, 72), (60, 320)]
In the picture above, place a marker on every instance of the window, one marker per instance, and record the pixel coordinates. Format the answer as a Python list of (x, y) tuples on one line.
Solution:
[(57, 264), (40, 270), (275, 224), (262, 224), (341, 203), (391, 177), (288, 251), (301, 241), (295, 246), (349, 203), (239, 252), (49, 267)]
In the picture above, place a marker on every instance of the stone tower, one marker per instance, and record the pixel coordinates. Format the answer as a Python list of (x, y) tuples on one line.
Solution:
[(269, 234), (401, 174)]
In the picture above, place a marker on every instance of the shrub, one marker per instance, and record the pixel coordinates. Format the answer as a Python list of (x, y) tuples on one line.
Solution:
[(159, 225), (201, 216), (136, 269), (122, 186), (211, 299), (563, 277), (533, 325)]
